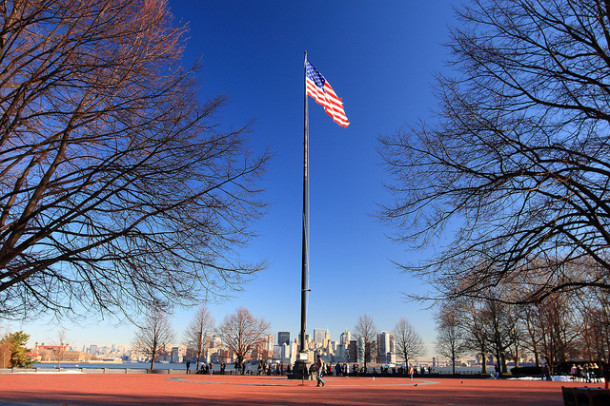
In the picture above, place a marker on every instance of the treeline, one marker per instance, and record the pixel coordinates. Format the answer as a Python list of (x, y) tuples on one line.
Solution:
[(509, 184), (557, 328)]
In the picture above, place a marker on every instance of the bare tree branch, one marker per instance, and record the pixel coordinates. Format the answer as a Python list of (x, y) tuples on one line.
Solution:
[(241, 333), (366, 331), (154, 334), (515, 170), (409, 343), (199, 332), (118, 188)]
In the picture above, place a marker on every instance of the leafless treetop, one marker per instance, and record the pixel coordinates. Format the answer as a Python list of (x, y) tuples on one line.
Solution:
[(515, 170), (118, 188)]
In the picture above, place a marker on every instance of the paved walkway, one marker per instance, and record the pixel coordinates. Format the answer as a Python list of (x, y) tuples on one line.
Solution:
[(93, 390)]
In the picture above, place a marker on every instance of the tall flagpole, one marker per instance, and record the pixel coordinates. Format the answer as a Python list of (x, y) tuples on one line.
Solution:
[(304, 251), (323, 94)]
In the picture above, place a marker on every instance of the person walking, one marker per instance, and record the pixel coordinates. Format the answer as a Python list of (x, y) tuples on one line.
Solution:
[(320, 368), (547, 372), (573, 372)]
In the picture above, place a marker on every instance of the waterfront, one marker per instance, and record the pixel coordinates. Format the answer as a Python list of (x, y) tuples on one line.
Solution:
[(110, 365), (229, 368)]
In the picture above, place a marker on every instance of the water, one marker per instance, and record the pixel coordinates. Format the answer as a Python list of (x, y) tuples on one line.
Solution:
[(124, 365), (130, 365), (230, 367), (442, 370)]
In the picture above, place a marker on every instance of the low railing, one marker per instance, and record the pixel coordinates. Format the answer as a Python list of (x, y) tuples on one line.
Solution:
[(370, 372)]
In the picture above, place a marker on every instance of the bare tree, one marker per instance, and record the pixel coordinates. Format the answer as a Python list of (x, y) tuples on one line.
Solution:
[(241, 333), (559, 329), (499, 328), (154, 334), (199, 331), (517, 164), (366, 331), (117, 186), (474, 326), (599, 325), (451, 341), (529, 320), (62, 346), (408, 342)]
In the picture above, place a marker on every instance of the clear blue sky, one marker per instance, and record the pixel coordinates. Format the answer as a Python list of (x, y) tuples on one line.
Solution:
[(380, 57)]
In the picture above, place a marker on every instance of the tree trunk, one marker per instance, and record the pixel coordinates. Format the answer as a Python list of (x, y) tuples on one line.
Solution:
[(484, 366), (453, 364)]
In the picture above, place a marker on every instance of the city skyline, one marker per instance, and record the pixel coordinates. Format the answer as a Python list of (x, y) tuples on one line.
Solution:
[(348, 349), (180, 340), (382, 65)]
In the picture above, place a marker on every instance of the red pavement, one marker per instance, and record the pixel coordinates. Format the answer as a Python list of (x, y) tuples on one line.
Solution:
[(98, 389)]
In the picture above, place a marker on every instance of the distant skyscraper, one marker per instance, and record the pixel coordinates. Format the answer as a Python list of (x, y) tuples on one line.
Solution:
[(283, 337), (354, 352), (268, 343), (345, 338), (318, 337), (385, 346)]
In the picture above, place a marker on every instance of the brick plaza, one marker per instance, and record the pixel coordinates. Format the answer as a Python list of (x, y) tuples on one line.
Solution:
[(160, 389)]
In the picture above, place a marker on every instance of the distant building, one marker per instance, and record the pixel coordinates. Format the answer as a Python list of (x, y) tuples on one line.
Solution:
[(277, 352), (386, 351), (263, 350), (345, 338), (340, 353), (332, 347), (319, 336), (177, 354), (283, 337), (285, 353), (268, 343), (353, 352), (215, 342)]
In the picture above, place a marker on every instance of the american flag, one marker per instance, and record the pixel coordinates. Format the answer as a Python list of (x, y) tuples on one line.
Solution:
[(318, 87)]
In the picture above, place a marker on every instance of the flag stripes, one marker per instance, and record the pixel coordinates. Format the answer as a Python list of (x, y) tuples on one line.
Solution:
[(322, 92)]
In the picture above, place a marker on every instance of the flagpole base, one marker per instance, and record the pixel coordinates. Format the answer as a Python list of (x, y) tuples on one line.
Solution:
[(300, 370)]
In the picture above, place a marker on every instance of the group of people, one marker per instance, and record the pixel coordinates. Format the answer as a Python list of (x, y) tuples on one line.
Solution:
[(268, 369), (205, 368), (338, 369), (344, 369), (587, 372), (590, 372), (328, 369)]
